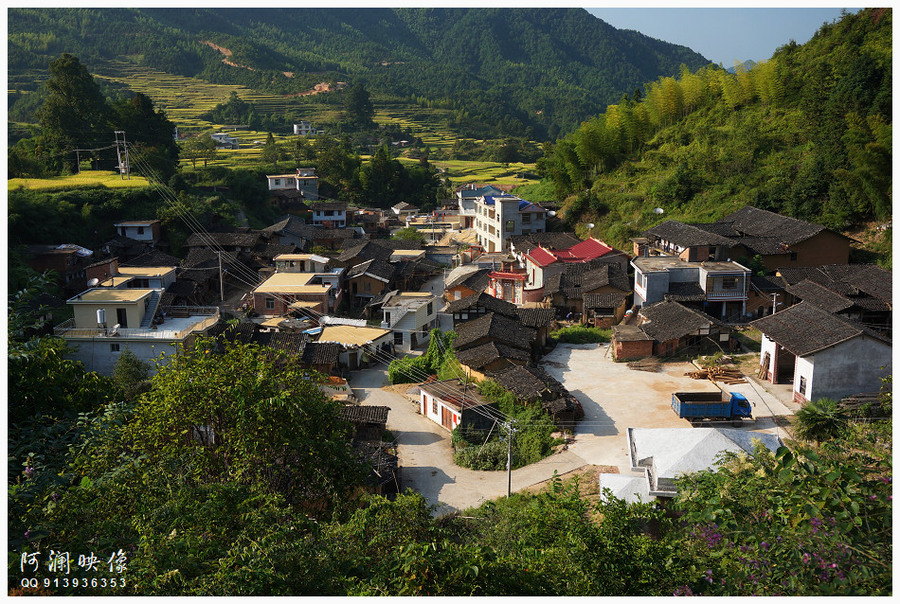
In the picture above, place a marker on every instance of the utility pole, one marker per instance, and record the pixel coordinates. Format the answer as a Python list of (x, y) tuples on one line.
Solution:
[(509, 438), (121, 147), (221, 279)]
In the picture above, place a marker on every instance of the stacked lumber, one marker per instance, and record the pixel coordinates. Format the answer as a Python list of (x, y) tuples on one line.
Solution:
[(726, 375)]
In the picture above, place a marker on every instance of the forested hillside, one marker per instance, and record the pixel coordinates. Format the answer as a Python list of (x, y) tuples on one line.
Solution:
[(520, 72), (806, 134)]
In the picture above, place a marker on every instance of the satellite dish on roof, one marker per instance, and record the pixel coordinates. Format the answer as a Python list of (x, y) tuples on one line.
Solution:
[(590, 225), (93, 282), (551, 213), (658, 210)]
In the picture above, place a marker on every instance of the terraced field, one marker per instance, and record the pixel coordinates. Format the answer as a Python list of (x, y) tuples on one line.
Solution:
[(184, 99), (90, 178)]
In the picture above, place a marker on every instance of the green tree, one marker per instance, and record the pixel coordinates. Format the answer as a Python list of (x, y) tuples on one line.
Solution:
[(358, 108), (270, 152), (409, 234), (150, 133), (74, 115), (239, 416)]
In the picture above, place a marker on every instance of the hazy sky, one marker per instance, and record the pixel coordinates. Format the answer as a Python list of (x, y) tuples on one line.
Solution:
[(724, 35)]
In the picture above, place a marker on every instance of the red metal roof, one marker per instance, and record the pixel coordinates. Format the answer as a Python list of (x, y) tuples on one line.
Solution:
[(586, 250), (541, 256)]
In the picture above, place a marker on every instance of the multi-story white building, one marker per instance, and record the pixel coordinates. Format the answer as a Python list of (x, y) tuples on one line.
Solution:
[(411, 315), (499, 217), (304, 180)]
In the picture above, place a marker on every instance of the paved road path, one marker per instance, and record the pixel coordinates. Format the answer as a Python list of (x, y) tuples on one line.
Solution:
[(426, 456)]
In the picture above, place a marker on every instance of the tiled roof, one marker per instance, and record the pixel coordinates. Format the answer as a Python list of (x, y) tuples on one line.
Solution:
[(479, 357), (824, 298), (548, 240), (804, 329), (488, 302), (579, 278), (865, 285), (754, 222), (586, 250), (153, 258), (529, 383), (685, 235), (321, 353), (369, 414), (495, 327), (475, 279), (325, 205), (685, 292), (612, 300), (377, 268), (536, 317), (223, 239), (668, 320)]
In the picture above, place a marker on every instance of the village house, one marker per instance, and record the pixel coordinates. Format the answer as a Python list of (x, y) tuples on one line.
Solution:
[(107, 321), (68, 261), (859, 292), (274, 296), (779, 241), (451, 403), (535, 386), (541, 262), (821, 354), (301, 263), (304, 180), (411, 316), (466, 197), (367, 280), (404, 210), (329, 214), (465, 281), (492, 342), (144, 277), (567, 289), (507, 285), (719, 288), (499, 217), (304, 128), (360, 345), (629, 342), (519, 245), (476, 305), (225, 141), (145, 231), (673, 327)]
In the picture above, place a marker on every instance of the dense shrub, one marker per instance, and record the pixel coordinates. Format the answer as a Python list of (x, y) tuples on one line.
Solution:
[(582, 335)]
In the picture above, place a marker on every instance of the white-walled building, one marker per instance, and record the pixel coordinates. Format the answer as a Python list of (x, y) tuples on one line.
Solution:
[(303, 180), (412, 316), (107, 321), (822, 354), (499, 217), (147, 231)]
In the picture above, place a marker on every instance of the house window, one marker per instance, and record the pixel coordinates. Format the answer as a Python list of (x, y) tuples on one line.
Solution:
[(510, 225), (270, 303), (368, 286), (526, 218), (277, 182), (398, 338), (434, 406), (114, 347), (803, 385), (429, 308), (793, 256), (729, 282), (140, 230)]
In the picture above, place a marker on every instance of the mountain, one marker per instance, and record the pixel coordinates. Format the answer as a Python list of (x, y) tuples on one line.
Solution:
[(543, 69), (806, 134)]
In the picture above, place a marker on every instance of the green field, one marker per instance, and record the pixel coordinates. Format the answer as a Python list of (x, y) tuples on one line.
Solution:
[(183, 99), (90, 178)]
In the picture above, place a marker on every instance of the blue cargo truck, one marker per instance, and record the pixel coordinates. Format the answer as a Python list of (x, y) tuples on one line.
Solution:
[(700, 407)]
